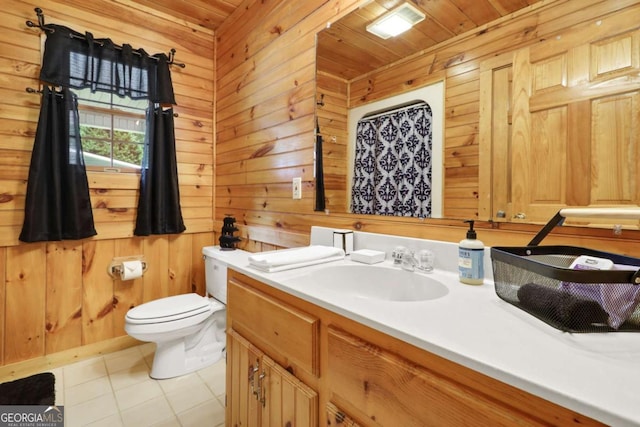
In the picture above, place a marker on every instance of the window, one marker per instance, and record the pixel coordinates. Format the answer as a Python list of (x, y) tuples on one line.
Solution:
[(112, 129)]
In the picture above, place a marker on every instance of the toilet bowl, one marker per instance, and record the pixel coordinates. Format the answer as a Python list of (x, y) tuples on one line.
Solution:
[(188, 329)]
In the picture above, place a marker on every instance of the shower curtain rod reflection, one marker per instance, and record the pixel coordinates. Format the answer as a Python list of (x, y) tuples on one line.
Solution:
[(394, 109), (45, 28)]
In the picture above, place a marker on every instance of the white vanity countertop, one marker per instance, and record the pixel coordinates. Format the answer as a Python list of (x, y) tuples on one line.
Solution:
[(597, 375)]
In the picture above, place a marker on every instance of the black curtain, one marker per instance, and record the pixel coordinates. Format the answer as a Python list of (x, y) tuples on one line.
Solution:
[(159, 205), (57, 205), (320, 200), (74, 60)]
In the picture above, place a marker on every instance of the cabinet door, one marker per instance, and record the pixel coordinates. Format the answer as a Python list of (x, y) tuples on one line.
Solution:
[(288, 335), (392, 391), (287, 401), (243, 364), (262, 393)]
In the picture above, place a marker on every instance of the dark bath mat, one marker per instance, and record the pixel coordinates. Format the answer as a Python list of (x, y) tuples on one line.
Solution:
[(37, 389)]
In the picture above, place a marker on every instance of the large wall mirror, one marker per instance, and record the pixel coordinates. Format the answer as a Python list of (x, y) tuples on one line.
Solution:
[(527, 130), (346, 54)]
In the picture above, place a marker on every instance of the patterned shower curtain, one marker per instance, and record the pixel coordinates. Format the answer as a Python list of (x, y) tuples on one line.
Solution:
[(392, 173)]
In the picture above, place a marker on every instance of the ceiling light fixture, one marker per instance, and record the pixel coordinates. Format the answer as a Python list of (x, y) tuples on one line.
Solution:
[(395, 22)]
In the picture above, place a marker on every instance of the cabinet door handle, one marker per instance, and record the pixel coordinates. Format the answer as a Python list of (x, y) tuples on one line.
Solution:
[(261, 389), (252, 372)]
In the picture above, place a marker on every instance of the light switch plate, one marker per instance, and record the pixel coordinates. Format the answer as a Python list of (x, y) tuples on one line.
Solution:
[(297, 188)]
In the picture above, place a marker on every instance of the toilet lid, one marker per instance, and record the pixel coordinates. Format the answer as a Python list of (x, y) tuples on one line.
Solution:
[(169, 309)]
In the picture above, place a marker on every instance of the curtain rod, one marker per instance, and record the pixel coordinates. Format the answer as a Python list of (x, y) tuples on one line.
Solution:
[(44, 28), (39, 92)]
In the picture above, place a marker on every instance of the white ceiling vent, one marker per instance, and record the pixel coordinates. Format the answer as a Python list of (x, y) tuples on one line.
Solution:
[(396, 21)]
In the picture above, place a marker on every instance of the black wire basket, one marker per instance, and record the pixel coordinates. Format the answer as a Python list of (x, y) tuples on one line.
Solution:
[(539, 280)]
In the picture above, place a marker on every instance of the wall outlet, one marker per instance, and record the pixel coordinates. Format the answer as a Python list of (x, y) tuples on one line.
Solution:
[(297, 188)]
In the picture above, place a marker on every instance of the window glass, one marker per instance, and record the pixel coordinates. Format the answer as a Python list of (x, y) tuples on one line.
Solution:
[(112, 129)]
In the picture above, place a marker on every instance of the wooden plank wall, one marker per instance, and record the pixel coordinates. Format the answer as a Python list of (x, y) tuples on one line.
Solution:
[(332, 96), (265, 110), (265, 125), (57, 297)]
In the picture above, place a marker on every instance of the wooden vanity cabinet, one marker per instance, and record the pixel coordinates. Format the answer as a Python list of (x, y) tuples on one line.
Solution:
[(350, 375), (267, 343)]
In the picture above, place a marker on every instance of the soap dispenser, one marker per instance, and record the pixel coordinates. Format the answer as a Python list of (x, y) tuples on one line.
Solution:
[(471, 258)]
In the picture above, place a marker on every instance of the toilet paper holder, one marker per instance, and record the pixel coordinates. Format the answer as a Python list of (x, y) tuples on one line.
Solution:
[(115, 268)]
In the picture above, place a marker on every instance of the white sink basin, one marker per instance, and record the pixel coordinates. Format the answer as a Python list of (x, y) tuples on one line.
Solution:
[(374, 282)]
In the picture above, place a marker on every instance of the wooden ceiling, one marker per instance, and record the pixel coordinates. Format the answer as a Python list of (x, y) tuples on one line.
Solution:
[(346, 49), (206, 13)]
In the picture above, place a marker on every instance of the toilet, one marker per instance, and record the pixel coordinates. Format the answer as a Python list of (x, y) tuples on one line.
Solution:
[(188, 329)]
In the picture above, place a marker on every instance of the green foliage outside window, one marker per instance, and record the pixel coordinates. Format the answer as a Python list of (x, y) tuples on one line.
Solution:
[(127, 146)]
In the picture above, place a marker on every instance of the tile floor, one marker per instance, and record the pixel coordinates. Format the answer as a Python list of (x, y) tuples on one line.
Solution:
[(116, 390)]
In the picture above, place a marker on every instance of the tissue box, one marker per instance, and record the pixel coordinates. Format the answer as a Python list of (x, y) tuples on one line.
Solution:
[(367, 256), (343, 239)]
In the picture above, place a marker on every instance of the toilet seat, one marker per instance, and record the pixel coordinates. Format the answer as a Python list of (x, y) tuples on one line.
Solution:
[(169, 315), (170, 309)]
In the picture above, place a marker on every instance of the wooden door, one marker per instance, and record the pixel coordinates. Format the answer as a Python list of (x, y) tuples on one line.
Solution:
[(572, 117), (496, 77)]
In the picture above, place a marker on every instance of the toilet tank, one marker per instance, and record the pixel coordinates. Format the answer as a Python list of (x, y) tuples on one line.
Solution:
[(215, 271)]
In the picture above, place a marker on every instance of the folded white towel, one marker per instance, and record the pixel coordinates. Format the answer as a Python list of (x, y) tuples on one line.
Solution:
[(285, 259)]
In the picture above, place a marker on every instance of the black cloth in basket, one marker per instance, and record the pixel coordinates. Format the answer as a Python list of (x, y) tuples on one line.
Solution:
[(538, 280)]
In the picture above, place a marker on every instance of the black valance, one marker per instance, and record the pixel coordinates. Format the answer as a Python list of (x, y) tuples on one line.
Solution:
[(76, 60)]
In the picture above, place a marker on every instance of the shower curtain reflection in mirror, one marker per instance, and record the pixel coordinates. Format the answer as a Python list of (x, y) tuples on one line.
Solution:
[(396, 153), (392, 174)]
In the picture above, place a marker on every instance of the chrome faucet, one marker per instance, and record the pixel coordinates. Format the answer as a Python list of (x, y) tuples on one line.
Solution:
[(408, 260)]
